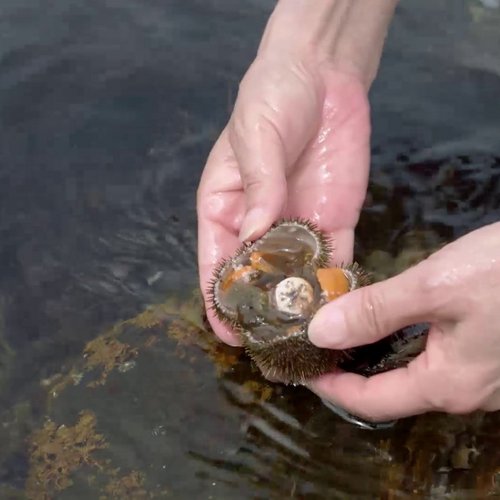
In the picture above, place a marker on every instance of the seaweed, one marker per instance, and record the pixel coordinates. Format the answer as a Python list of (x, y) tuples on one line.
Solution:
[(107, 353), (56, 451), (129, 486)]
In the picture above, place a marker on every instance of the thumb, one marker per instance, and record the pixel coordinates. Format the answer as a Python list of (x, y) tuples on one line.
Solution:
[(267, 137), (261, 158), (375, 311)]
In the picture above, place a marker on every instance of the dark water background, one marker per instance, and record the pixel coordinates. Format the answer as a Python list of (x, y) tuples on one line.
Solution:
[(107, 112)]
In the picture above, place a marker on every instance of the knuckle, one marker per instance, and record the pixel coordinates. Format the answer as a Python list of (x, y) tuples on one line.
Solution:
[(254, 112), (460, 404), (371, 313), (256, 120), (428, 285), (456, 397), (252, 135), (440, 287), (252, 185), (242, 122), (238, 126)]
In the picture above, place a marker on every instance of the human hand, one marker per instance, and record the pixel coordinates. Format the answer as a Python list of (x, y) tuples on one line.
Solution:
[(297, 145), (456, 290)]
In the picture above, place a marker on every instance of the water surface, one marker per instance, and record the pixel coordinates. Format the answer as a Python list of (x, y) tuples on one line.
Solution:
[(107, 112)]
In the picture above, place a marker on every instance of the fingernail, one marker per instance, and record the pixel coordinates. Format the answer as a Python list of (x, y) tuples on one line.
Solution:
[(252, 224), (328, 327)]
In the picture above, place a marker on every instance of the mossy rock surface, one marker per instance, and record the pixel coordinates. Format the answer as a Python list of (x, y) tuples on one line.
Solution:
[(157, 408)]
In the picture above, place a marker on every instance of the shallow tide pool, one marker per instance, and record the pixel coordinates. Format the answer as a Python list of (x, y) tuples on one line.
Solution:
[(110, 384)]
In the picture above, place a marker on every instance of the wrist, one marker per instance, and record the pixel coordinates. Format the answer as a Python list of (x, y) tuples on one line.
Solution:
[(347, 35)]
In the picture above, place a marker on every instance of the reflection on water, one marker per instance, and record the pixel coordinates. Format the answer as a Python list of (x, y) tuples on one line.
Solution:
[(107, 111)]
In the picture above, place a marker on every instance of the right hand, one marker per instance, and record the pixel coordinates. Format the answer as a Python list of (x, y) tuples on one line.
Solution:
[(457, 291), (296, 145)]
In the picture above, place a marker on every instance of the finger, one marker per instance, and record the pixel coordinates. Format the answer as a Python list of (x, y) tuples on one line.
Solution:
[(220, 207), (222, 330), (214, 243), (373, 312), (387, 396), (262, 164), (267, 136), (342, 244), (328, 183)]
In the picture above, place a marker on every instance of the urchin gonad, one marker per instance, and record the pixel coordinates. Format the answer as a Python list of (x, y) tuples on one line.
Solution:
[(270, 290)]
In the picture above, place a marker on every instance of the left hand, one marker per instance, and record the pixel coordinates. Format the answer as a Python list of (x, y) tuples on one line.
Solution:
[(297, 145), (298, 141)]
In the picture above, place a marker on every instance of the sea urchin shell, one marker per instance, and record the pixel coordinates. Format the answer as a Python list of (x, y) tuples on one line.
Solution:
[(269, 291)]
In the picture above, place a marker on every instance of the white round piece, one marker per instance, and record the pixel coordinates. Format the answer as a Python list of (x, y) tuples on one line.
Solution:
[(293, 296)]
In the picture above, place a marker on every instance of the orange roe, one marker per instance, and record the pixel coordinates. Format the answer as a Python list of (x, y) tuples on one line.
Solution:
[(333, 282), (236, 275), (259, 262)]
